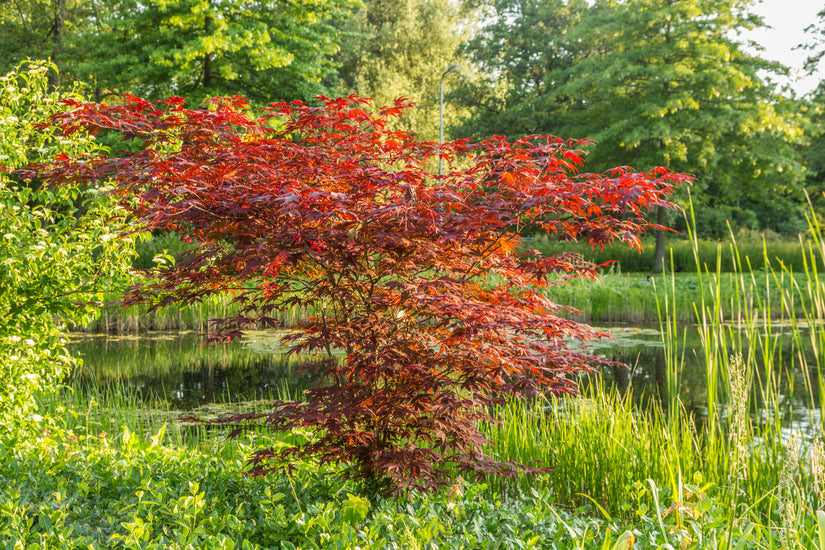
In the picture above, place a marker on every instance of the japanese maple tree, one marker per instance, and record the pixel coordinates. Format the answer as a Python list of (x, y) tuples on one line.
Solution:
[(422, 314)]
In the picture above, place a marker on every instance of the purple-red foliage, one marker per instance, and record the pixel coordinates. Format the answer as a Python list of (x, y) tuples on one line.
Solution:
[(414, 277)]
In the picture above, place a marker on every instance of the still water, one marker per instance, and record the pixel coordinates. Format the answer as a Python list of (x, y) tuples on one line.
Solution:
[(176, 370)]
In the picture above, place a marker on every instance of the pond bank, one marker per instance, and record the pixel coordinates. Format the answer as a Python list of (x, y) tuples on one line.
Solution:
[(615, 298)]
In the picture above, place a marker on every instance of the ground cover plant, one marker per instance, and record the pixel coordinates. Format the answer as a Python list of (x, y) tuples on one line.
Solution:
[(78, 487), (325, 208)]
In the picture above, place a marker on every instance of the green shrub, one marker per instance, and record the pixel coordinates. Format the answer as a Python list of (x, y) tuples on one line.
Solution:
[(58, 247), (161, 246)]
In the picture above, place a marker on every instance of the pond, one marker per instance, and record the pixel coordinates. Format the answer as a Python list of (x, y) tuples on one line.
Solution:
[(175, 370), (178, 370)]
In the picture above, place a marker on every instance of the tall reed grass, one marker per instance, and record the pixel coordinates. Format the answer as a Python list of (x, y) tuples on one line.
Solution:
[(116, 319), (631, 298), (601, 448), (617, 297)]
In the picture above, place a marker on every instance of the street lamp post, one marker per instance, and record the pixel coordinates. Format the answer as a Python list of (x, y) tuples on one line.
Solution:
[(441, 112)]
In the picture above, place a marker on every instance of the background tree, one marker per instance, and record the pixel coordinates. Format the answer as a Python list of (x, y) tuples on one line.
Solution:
[(39, 29), (662, 82), (815, 43), (265, 49), (400, 48), (521, 54), (410, 277), (814, 155)]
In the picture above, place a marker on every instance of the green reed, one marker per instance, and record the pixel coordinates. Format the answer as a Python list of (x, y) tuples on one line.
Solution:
[(602, 446), (597, 446), (196, 316), (810, 312)]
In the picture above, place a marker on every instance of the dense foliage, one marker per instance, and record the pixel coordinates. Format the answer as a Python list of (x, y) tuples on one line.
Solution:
[(325, 208), (267, 49), (400, 48), (654, 82), (58, 246)]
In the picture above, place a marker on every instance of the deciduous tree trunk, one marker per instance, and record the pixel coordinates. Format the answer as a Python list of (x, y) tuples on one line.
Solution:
[(207, 57), (659, 254), (58, 33)]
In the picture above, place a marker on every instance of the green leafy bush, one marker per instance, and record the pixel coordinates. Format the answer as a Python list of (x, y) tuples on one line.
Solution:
[(67, 490), (58, 247), (163, 247)]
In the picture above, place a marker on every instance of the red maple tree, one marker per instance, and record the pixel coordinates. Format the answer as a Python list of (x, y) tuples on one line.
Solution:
[(421, 306)]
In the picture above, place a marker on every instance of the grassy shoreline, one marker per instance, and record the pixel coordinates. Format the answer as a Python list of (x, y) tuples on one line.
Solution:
[(615, 298)]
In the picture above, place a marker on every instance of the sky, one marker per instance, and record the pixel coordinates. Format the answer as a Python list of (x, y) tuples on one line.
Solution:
[(789, 18)]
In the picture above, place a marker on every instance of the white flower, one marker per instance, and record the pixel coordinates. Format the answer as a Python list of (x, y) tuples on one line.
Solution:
[(28, 342), (15, 338)]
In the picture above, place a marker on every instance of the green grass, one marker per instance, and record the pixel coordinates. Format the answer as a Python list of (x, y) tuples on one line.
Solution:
[(631, 298), (615, 298), (624, 293), (683, 251)]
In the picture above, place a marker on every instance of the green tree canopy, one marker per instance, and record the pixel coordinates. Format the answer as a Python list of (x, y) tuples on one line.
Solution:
[(400, 48), (267, 50), (522, 53), (815, 43), (654, 82)]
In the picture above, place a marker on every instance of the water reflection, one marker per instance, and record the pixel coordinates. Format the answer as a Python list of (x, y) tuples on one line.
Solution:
[(176, 370), (641, 349)]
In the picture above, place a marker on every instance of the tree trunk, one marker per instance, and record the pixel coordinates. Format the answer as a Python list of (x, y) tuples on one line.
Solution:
[(58, 33), (207, 57), (659, 254)]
